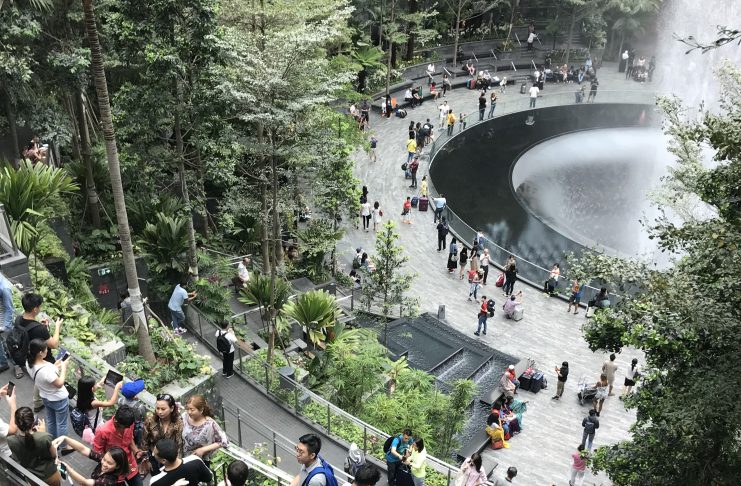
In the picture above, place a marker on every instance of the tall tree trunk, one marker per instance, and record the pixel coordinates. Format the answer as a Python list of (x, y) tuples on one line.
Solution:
[(202, 189), (457, 35), (411, 39), (114, 169), (13, 127), (571, 34), (180, 155), (620, 49), (389, 53), (93, 203), (611, 45), (515, 4)]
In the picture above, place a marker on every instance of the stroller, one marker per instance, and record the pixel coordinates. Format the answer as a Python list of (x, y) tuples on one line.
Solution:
[(587, 390)]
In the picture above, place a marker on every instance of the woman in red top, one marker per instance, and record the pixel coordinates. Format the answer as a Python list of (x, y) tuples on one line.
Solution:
[(406, 212)]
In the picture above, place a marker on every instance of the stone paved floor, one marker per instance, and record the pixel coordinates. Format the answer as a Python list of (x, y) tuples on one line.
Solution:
[(552, 429)]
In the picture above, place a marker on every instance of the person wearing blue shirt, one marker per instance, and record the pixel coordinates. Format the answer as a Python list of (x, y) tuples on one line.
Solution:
[(179, 296), (397, 453), (7, 311)]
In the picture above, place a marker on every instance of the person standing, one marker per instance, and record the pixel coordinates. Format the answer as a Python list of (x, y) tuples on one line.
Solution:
[(191, 468), (411, 149), (592, 90), (439, 203), (451, 122), (510, 274), (534, 94), (7, 316), (413, 168), (530, 40), (33, 447), (446, 84), (202, 436), (492, 102), (631, 375), (119, 432), (590, 425), (444, 110), (49, 379), (365, 214), (462, 261), (483, 314), (579, 466), (475, 284), (372, 152), (179, 297), (609, 368), (418, 462), (442, 233), (225, 340), (423, 188), (396, 454), (406, 211), (473, 471), (164, 423), (484, 263), (601, 395), (563, 374), (242, 272), (482, 105), (577, 290)]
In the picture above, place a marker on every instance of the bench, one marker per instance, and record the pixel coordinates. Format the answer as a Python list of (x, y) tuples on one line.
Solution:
[(480, 439)]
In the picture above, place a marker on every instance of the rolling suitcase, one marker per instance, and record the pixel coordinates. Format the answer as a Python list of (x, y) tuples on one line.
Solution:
[(536, 382), (472, 84), (519, 313), (415, 200), (424, 203), (525, 382)]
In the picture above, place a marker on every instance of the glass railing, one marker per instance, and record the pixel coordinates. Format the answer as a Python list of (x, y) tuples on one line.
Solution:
[(528, 271)]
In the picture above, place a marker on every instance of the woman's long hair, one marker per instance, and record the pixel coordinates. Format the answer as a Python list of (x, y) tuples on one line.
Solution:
[(85, 394), (24, 420), (34, 348), (122, 463), (476, 460)]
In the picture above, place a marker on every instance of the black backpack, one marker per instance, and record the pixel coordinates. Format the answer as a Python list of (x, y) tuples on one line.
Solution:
[(389, 441), (222, 343), (18, 340)]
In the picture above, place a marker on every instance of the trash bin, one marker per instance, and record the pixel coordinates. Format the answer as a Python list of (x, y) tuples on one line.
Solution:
[(523, 88), (286, 375)]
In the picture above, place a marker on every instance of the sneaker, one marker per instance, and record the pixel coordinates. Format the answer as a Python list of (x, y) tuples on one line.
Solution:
[(228, 376), (476, 333), (38, 409), (18, 372), (484, 333), (183, 330), (555, 397)]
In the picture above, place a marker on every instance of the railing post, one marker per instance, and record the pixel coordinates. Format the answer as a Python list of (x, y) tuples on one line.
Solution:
[(241, 366), (200, 328), (352, 299), (267, 379), (275, 447), (448, 476), (329, 415), (365, 439), (239, 427), (295, 399)]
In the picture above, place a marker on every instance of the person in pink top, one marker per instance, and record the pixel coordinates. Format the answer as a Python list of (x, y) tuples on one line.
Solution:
[(472, 472), (579, 467)]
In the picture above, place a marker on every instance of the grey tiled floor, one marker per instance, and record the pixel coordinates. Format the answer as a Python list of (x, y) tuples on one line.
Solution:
[(552, 429)]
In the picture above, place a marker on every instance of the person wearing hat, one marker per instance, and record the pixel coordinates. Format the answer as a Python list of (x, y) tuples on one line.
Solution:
[(129, 392), (513, 376)]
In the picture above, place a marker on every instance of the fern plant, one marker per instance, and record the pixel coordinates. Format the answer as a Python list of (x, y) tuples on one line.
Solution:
[(315, 310)]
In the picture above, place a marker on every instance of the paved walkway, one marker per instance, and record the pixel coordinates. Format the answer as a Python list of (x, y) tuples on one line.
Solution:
[(552, 429)]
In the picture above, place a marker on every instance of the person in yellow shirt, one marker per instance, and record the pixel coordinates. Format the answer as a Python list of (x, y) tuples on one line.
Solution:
[(418, 462), (411, 149), (451, 122), (423, 187)]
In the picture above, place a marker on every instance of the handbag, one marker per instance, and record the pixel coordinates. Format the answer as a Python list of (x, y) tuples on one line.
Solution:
[(145, 467)]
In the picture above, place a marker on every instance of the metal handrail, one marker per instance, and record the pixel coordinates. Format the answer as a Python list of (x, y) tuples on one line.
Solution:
[(16, 474)]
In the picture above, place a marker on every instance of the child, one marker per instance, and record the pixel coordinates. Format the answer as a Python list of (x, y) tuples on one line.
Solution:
[(462, 122)]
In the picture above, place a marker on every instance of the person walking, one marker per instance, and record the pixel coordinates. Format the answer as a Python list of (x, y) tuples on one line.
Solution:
[(462, 260), (484, 263), (534, 90), (411, 149), (609, 368), (593, 90), (225, 341), (601, 395), (510, 274), (483, 314), (365, 214), (453, 255), (577, 289), (372, 152), (590, 425), (563, 374), (413, 168), (406, 211), (482, 105), (579, 465), (439, 203), (475, 285), (492, 102), (442, 233), (631, 376), (377, 215)]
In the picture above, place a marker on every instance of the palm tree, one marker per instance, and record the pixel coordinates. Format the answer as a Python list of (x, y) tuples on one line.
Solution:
[(270, 293), (114, 170), (369, 58), (315, 310)]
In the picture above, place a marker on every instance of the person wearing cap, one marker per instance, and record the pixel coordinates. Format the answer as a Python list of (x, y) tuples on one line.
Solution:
[(129, 392)]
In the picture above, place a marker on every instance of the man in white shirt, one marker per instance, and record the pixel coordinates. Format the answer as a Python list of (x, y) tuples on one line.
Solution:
[(444, 110), (430, 73), (225, 340), (533, 95), (506, 479)]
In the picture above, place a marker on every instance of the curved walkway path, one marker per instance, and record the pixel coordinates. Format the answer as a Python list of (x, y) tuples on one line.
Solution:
[(552, 429)]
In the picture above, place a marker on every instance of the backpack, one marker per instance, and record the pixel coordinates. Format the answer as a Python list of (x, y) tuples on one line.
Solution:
[(325, 469), (389, 441), (355, 265), (222, 343), (18, 340), (490, 307), (81, 422), (589, 427)]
